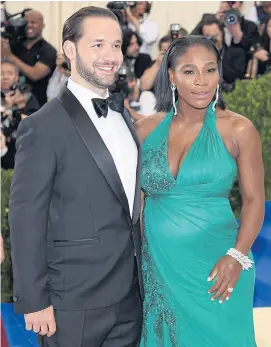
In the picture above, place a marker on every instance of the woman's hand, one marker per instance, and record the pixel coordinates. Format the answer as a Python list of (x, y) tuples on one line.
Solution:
[(227, 272)]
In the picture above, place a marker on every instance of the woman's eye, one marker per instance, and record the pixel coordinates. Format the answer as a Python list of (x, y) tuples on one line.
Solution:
[(98, 45), (212, 70), (117, 46)]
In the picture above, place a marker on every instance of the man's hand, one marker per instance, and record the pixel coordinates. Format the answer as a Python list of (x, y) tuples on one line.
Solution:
[(132, 19), (261, 54), (41, 322), (5, 48), (235, 30)]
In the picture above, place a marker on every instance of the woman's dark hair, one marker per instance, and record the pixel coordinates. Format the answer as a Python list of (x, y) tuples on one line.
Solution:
[(175, 51), (72, 28), (127, 35)]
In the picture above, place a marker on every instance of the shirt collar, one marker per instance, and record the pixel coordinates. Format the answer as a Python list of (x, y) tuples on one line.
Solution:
[(83, 93)]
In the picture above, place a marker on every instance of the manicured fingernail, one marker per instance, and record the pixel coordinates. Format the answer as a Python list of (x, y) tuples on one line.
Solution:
[(212, 299), (209, 279), (220, 301), (227, 298)]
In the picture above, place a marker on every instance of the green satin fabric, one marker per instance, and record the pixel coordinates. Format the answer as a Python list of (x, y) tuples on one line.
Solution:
[(188, 227)]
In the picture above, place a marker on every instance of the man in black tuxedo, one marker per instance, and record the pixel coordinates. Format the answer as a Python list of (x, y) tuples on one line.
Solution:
[(75, 201)]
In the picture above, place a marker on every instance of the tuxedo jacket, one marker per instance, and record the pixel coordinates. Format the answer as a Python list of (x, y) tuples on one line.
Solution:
[(74, 242)]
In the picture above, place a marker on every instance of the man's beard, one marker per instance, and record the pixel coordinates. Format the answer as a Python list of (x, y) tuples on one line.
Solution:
[(89, 76)]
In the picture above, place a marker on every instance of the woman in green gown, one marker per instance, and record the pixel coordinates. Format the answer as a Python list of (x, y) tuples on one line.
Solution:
[(197, 266)]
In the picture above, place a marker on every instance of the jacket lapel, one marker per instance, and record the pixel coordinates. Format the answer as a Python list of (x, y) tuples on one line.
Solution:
[(137, 204), (94, 144)]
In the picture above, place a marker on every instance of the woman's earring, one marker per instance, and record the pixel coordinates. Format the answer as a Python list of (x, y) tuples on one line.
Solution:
[(216, 98), (173, 88)]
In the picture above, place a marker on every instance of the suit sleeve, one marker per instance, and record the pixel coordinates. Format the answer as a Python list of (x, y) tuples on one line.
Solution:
[(30, 195)]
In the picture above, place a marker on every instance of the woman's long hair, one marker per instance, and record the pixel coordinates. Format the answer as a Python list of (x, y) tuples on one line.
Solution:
[(175, 51)]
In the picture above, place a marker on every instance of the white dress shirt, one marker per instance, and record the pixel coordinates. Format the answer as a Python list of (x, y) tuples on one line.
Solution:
[(116, 136)]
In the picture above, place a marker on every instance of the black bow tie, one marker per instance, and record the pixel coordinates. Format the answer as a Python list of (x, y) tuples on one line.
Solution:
[(115, 102)]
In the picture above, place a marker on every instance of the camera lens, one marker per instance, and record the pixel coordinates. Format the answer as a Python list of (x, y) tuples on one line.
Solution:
[(232, 19)]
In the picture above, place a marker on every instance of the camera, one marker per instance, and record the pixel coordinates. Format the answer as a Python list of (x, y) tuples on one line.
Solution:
[(10, 118), (121, 83), (118, 7), (13, 26), (232, 17), (174, 31), (22, 87)]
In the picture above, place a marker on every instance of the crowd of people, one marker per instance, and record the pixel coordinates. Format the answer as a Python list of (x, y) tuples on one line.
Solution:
[(32, 72)]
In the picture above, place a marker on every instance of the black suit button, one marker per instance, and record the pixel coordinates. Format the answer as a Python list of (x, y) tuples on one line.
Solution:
[(15, 299)]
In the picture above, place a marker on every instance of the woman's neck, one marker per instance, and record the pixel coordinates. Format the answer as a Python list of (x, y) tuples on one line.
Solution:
[(188, 114)]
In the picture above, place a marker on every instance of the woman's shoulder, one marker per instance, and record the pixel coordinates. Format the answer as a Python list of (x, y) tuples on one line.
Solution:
[(237, 125), (147, 124)]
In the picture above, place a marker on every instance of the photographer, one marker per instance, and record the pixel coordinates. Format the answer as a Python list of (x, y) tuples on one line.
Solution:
[(139, 103), (238, 31), (136, 62), (149, 76), (35, 57), (234, 59), (263, 49), (16, 103), (59, 77), (137, 18), (259, 12)]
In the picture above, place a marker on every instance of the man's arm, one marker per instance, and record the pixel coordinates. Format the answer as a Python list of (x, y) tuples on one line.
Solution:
[(41, 69), (30, 195), (34, 73)]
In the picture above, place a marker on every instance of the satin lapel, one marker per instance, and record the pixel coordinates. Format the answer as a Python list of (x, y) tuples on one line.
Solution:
[(94, 144), (137, 200)]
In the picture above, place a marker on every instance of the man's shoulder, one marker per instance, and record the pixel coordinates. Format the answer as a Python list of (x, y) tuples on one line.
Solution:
[(144, 58), (48, 113), (47, 46)]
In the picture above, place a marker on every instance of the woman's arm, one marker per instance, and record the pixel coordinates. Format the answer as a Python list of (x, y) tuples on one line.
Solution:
[(251, 178)]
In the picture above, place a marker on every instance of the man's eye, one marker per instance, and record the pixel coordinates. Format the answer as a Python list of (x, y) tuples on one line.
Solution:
[(188, 72), (99, 45)]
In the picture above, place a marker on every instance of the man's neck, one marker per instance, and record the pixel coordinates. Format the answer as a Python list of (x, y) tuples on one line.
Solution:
[(30, 43), (83, 83)]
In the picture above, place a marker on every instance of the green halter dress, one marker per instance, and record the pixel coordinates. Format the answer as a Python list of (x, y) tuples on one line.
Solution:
[(188, 226)]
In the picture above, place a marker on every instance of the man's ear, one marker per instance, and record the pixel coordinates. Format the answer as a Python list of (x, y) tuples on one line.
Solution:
[(69, 50)]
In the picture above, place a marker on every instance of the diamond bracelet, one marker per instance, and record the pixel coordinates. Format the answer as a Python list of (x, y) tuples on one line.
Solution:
[(242, 259)]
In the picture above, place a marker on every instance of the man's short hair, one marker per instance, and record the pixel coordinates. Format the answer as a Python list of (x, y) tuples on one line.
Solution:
[(72, 29), (10, 62)]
